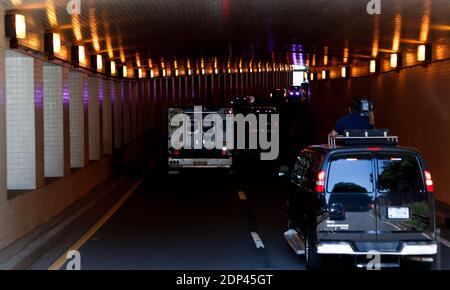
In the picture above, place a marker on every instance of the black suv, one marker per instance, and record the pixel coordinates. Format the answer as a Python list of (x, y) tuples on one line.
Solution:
[(358, 198)]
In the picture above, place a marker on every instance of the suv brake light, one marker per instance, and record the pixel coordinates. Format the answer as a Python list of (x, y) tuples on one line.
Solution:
[(429, 181), (320, 182)]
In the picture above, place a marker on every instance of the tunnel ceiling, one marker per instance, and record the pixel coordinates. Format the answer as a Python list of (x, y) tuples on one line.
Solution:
[(280, 31)]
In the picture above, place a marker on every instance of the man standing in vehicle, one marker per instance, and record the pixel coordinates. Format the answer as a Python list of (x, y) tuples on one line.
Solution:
[(352, 121)]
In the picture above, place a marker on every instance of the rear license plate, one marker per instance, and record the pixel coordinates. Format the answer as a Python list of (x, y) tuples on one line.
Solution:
[(200, 163), (398, 213)]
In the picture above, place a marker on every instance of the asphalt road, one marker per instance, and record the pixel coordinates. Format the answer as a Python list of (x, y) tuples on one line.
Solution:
[(201, 222)]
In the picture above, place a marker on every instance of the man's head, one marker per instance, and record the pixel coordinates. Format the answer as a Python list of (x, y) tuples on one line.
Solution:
[(354, 106)]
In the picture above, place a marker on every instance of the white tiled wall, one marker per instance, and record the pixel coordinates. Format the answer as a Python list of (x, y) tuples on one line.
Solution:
[(20, 122), (3, 192), (133, 98), (118, 96), (95, 88), (66, 119), (38, 65), (126, 112), (53, 121), (107, 116), (141, 103), (78, 94), (146, 120)]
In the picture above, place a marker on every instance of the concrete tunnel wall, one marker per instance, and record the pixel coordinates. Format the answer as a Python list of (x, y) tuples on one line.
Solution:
[(94, 111), (413, 103)]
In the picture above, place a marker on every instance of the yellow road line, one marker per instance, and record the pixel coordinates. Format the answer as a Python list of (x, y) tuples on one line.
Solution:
[(81, 241)]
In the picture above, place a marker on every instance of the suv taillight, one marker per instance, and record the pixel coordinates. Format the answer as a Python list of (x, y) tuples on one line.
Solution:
[(320, 182), (429, 181)]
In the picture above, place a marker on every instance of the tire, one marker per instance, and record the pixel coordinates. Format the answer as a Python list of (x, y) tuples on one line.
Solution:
[(313, 259), (415, 265)]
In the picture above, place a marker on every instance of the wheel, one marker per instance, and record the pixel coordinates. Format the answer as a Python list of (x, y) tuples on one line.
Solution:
[(313, 259), (416, 265), (425, 266)]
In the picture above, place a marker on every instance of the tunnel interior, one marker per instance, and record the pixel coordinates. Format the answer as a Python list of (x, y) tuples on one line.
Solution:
[(85, 85)]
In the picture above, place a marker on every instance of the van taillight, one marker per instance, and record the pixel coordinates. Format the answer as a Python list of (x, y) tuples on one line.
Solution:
[(224, 151), (373, 148), (429, 181), (176, 153), (320, 182)]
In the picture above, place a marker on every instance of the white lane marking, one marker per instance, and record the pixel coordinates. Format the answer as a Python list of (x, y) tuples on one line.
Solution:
[(242, 195), (442, 241), (258, 242)]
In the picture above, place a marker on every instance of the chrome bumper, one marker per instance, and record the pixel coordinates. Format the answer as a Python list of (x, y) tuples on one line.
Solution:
[(200, 163), (408, 249)]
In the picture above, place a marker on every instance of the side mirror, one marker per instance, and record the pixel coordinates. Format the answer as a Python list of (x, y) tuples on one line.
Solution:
[(283, 171)]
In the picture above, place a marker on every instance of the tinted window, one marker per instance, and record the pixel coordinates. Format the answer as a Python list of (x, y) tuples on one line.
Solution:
[(350, 174), (399, 174), (302, 167)]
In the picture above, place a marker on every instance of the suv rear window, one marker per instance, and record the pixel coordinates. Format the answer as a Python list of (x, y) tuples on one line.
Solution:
[(399, 174), (350, 174)]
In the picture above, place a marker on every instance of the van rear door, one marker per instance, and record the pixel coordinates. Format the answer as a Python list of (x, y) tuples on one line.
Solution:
[(405, 210), (349, 199)]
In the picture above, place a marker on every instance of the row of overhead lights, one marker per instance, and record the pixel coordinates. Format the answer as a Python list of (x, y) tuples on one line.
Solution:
[(15, 25), (424, 56)]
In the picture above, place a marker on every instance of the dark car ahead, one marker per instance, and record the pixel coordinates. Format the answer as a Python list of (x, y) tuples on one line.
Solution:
[(241, 104), (278, 96), (359, 198), (296, 93), (248, 160)]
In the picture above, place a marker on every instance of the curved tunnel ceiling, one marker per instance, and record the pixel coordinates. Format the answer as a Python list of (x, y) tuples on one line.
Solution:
[(283, 31)]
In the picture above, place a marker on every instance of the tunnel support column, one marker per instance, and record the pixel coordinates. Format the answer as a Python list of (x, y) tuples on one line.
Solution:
[(117, 96), (3, 193), (140, 97), (94, 118), (126, 112), (56, 121), (108, 93), (146, 117), (79, 144), (133, 115), (24, 122)]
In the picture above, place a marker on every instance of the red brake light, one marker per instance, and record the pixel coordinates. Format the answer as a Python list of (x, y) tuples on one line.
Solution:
[(429, 181), (320, 182), (224, 152), (176, 153), (374, 148)]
